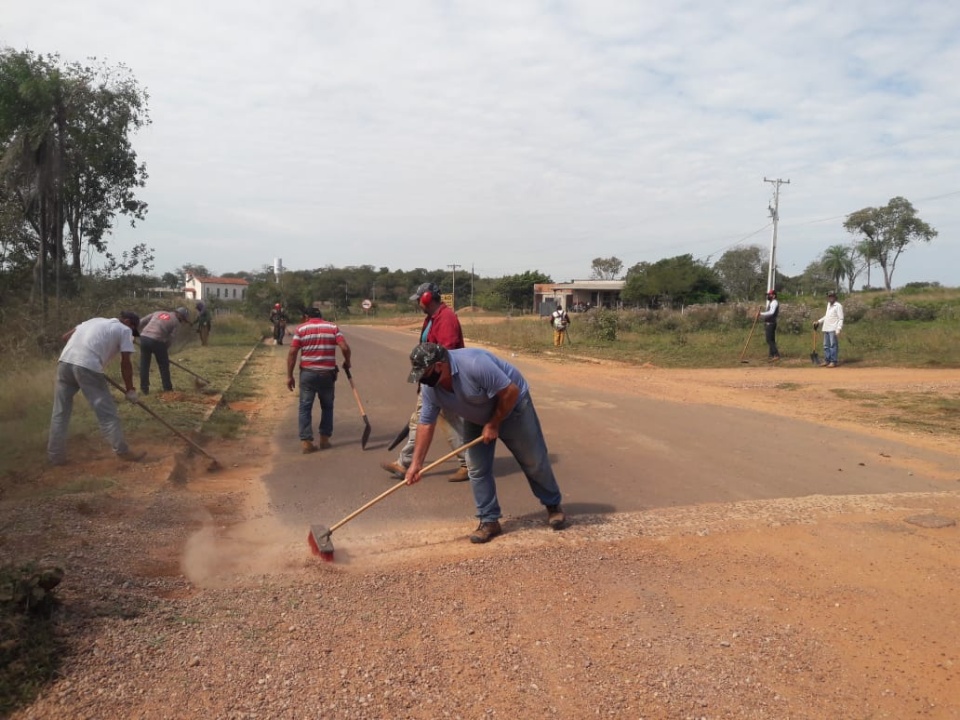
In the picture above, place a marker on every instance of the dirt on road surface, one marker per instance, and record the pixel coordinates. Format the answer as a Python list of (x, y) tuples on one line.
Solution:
[(186, 600)]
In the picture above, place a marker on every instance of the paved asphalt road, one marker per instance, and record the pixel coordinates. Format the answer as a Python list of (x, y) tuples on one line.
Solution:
[(611, 453)]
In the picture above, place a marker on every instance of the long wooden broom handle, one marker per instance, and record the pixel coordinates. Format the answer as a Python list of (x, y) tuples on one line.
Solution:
[(400, 484)]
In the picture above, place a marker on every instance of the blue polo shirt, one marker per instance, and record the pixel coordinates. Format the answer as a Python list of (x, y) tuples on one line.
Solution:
[(477, 376)]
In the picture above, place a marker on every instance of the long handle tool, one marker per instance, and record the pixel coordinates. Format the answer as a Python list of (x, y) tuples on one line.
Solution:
[(363, 413), (747, 343), (199, 381), (401, 436), (814, 357), (319, 537), (214, 463)]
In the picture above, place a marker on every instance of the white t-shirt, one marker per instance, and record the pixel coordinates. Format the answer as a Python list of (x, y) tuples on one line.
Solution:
[(96, 342)]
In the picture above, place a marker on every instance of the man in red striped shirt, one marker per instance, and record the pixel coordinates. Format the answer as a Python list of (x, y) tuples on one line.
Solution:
[(316, 341)]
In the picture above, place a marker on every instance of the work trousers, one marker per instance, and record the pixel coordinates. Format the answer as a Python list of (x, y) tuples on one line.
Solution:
[(522, 435), (150, 348), (72, 379), (318, 385), (454, 425)]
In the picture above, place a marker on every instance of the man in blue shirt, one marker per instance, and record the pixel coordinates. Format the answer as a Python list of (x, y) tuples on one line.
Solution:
[(494, 401)]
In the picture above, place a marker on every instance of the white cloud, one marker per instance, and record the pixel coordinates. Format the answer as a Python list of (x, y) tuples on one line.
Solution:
[(525, 135)]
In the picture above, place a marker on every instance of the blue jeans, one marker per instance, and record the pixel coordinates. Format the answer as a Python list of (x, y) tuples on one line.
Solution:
[(522, 435), (320, 385), (830, 347), (149, 348)]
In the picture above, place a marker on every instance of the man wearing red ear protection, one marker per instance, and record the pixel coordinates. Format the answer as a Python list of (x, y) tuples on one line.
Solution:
[(440, 326)]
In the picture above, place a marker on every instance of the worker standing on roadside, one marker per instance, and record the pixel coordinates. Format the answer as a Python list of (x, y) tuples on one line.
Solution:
[(278, 318), (441, 326), (831, 324), (90, 347), (316, 340), (157, 331), (203, 322), (769, 316), (560, 320)]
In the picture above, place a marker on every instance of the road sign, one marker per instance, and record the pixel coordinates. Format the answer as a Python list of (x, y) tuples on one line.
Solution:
[(447, 299), (366, 304)]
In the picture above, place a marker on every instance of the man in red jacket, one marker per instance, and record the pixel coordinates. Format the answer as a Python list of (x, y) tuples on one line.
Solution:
[(440, 326)]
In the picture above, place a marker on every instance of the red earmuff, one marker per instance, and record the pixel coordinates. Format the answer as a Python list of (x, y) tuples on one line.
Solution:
[(426, 298)]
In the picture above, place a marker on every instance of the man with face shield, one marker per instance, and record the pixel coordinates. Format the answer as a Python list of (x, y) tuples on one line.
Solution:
[(493, 399)]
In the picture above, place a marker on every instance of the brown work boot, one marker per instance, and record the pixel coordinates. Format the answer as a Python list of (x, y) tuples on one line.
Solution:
[(131, 456), (395, 468), (555, 517), (307, 447), (324, 442), (461, 475), (486, 531)]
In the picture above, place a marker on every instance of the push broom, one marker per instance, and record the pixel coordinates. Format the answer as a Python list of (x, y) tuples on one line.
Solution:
[(319, 536)]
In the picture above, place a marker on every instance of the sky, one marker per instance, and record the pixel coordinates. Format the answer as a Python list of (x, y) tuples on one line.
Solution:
[(500, 137)]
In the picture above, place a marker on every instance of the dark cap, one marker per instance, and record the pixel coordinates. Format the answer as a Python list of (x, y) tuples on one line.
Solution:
[(427, 287), (182, 313), (423, 356), (134, 320), (312, 312)]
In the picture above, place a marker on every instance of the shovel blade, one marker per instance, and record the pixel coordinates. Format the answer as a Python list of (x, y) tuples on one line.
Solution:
[(401, 436), (814, 358), (366, 433)]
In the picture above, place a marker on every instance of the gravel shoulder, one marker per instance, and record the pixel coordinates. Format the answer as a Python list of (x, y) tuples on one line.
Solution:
[(185, 599)]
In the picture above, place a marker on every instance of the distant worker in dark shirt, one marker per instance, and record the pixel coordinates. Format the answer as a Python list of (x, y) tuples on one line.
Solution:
[(157, 333)]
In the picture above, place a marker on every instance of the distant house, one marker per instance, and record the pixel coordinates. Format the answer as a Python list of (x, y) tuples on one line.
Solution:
[(577, 295), (215, 288)]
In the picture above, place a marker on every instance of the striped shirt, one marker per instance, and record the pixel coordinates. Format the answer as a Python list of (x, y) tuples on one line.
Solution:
[(317, 341)]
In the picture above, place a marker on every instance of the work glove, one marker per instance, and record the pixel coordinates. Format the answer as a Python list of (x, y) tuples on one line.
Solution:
[(346, 365), (816, 326), (131, 395)]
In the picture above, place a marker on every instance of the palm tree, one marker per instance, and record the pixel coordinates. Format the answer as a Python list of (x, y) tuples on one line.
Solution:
[(838, 263)]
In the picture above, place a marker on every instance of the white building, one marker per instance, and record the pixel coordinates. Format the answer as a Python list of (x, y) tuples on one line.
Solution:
[(215, 288)]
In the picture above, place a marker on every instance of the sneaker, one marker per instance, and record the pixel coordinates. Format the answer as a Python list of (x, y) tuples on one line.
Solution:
[(131, 456), (461, 475), (555, 517), (823, 363), (833, 364), (395, 469), (486, 531), (324, 442), (307, 447)]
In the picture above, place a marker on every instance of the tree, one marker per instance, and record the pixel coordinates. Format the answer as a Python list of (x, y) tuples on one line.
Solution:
[(65, 153), (887, 231), (838, 264), (606, 268), (517, 290), (679, 279), (741, 271)]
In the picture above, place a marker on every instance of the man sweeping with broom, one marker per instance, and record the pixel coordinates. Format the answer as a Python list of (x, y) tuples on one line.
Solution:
[(493, 399)]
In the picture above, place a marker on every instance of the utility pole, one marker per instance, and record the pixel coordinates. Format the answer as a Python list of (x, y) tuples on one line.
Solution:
[(775, 214), (454, 266)]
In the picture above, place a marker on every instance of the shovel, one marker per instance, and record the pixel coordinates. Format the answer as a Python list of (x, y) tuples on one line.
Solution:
[(401, 436), (747, 343), (214, 464), (363, 413), (319, 537), (814, 357)]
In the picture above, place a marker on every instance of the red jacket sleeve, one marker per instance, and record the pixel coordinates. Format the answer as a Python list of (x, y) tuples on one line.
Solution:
[(445, 329)]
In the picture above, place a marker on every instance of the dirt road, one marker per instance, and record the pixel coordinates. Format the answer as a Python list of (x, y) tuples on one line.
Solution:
[(190, 600)]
